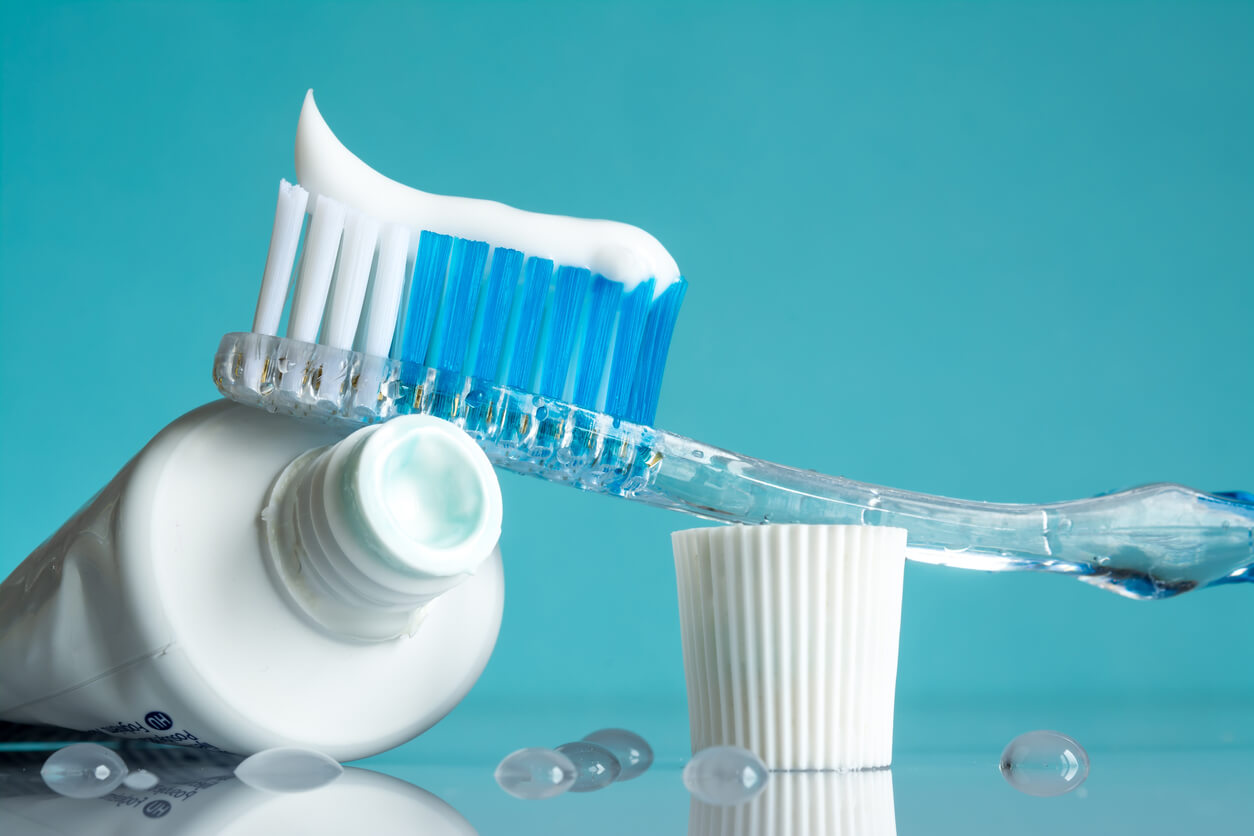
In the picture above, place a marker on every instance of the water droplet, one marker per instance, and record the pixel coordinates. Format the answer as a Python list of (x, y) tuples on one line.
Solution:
[(632, 751), (595, 766), (288, 769), (1044, 763), (535, 773), (141, 779), (725, 775), (83, 770)]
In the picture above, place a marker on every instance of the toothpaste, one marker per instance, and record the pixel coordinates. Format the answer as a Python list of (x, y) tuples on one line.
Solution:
[(618, 251)]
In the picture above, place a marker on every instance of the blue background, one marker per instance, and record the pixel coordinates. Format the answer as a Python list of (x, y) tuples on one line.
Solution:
[(994, 251)]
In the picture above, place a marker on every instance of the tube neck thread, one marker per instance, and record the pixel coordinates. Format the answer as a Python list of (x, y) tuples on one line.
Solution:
[(363, 534)]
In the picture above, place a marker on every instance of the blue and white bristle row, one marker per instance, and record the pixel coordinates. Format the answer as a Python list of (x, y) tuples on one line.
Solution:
[(466, 307)]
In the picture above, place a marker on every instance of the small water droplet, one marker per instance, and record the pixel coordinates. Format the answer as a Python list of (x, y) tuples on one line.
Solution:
[(288, 769), (1044, 763), (141, 779), (725, 775), (535, 773), (632, 751), (595, 766), (698, 454), (83, 770)]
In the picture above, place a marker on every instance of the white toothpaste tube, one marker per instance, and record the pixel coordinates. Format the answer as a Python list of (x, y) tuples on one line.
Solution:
[(250, 581), (790, 640)]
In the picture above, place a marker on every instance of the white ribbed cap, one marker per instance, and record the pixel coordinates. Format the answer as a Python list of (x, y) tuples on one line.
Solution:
[(790, 640)]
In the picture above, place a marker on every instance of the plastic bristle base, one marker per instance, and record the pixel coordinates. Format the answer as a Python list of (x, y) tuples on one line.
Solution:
[(519, 431)]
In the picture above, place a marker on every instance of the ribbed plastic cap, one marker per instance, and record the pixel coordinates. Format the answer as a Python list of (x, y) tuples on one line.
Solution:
[(790, 640)]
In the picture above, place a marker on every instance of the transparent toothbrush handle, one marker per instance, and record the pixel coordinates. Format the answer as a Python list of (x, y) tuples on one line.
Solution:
[(1149, 542), (1153, 541)]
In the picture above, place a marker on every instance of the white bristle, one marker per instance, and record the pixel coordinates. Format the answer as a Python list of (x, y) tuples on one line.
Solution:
[(289, 216), (385, 293), (351, 277), (322, 242)]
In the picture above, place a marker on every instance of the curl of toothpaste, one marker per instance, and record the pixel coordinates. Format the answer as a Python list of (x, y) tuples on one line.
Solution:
[(618, 251)]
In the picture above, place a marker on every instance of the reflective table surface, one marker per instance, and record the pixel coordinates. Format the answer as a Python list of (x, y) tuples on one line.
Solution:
[(1178, 768)]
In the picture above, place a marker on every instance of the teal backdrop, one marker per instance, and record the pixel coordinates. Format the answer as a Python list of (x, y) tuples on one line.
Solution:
[(993, 251)]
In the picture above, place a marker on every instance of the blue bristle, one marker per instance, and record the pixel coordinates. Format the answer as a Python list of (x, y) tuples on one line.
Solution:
[(633, 311), (535, 289), (457, 310), (430, 266), (571, 286), (593, 337), (497, 294), (602, 305), (656, 343)]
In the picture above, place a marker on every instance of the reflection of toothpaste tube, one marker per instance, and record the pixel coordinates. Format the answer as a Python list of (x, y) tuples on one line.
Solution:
[(193, 801), (250, 581)]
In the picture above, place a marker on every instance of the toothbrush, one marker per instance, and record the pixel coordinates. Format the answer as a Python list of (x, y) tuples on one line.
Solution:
[(545, 338)]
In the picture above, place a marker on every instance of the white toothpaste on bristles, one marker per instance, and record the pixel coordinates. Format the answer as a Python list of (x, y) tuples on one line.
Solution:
[(618, 251)]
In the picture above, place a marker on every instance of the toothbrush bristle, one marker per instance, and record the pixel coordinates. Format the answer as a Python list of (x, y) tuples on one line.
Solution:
[(633, 313), (317, 261), (352, 273), (569, 290), (494, 314), (493, 321), (385, 290), (457, 310), (597, 326), (654, 346), (526, 324), (428, 282), (289, 217)]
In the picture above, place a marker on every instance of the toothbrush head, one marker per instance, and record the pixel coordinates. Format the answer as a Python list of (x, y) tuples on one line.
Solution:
[(570, 310)]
